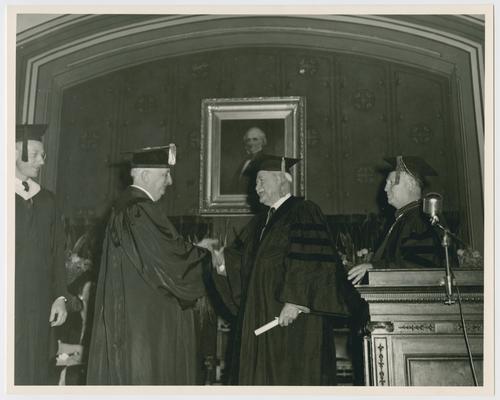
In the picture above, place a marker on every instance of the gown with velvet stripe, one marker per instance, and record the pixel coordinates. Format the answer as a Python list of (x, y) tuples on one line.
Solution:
[(294, 262)]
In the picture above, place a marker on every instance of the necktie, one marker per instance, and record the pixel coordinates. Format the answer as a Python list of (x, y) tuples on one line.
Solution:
[(269, 216), (26, 186)]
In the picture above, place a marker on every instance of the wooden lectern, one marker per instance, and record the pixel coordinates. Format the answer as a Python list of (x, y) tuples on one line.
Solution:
[(413, 338)]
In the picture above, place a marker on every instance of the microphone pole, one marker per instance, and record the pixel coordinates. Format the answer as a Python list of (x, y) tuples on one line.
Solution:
[(448, 279), (432, 206)]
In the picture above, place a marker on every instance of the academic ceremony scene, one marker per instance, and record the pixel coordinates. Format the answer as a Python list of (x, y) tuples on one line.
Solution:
[(243, 199)]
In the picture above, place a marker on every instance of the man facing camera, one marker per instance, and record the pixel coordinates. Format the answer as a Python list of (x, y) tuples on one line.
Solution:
[(411, 241), (149, 282), (40, 276), (283, 268)]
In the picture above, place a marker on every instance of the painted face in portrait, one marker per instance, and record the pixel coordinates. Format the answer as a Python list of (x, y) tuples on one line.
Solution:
[(36, 159), (254, 140), (268, 187)]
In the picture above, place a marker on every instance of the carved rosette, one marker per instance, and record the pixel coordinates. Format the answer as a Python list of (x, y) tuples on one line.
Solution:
[(307, 67), (200, 70), (86, 215), (194, 139), (363, 99), (421, 133), (365, 174), (89, 139), (313, 137), (146, 104)]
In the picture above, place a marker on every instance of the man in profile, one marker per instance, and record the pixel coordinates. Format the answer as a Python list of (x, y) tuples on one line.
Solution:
[(284, 266), (149, 282), (411, 241)]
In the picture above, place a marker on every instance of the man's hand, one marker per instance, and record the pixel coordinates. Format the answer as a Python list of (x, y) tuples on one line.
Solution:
[(289, 313), (357, 273), (218, 261), (207, 243), (58, 312)]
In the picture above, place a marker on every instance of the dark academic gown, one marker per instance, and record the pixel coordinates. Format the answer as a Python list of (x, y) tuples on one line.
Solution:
[(295, 262), (149, 280), (411, 242), (39, 280)]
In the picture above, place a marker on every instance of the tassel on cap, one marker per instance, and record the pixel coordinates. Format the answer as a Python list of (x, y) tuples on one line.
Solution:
[(172, 154), (154, 157), (25, 132), (414, 166)]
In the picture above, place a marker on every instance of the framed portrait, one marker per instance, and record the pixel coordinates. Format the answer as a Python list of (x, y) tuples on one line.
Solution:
[(235, 134)]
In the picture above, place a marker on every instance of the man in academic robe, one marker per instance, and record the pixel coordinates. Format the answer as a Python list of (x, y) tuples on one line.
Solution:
[(40, 280), (150, 279), (283, 266), (411, 241)]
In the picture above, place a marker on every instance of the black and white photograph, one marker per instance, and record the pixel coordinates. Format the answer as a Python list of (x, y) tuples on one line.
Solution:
[(288, 199)]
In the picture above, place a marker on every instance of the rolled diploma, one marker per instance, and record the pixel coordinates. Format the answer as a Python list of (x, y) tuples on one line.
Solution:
[(266, 327)]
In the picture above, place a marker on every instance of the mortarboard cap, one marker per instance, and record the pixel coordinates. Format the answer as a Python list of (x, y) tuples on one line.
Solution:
[(154, 157), (25, 132), (271, 162), (415, 166)]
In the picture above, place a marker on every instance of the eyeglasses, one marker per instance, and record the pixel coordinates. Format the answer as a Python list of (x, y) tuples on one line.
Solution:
[(35, 156)]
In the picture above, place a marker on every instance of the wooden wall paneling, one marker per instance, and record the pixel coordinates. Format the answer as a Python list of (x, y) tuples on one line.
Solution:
[(452, 192), (308, 74), (352, 113), (196, 77), (421, 124), (87, 136), (364, 117), (468, 165), (253, 72), (56, 61)]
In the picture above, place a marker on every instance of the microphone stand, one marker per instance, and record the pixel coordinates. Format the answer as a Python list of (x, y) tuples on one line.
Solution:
[(448, 279), (449, 282)]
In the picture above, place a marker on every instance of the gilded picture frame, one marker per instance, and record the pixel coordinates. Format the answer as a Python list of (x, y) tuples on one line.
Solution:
[(224, 122)]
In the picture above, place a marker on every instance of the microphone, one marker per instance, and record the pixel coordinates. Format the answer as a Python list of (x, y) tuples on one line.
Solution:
[(432, 206)]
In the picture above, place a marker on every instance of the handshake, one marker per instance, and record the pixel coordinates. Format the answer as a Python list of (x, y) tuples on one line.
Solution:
[(217, 251)]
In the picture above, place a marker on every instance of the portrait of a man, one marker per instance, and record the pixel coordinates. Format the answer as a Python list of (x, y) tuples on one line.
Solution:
[(243, 144)]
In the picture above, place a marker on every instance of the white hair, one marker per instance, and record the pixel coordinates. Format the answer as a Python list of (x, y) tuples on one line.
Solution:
[(284, 180)]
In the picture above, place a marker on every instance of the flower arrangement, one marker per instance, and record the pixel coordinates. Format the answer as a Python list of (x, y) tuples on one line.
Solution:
[(75, 264), (469, 258), (356, 242), (348, 253)]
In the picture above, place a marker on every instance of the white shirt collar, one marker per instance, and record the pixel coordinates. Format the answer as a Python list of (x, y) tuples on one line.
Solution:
[(144, 190), (34, 188), (281, 201)]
